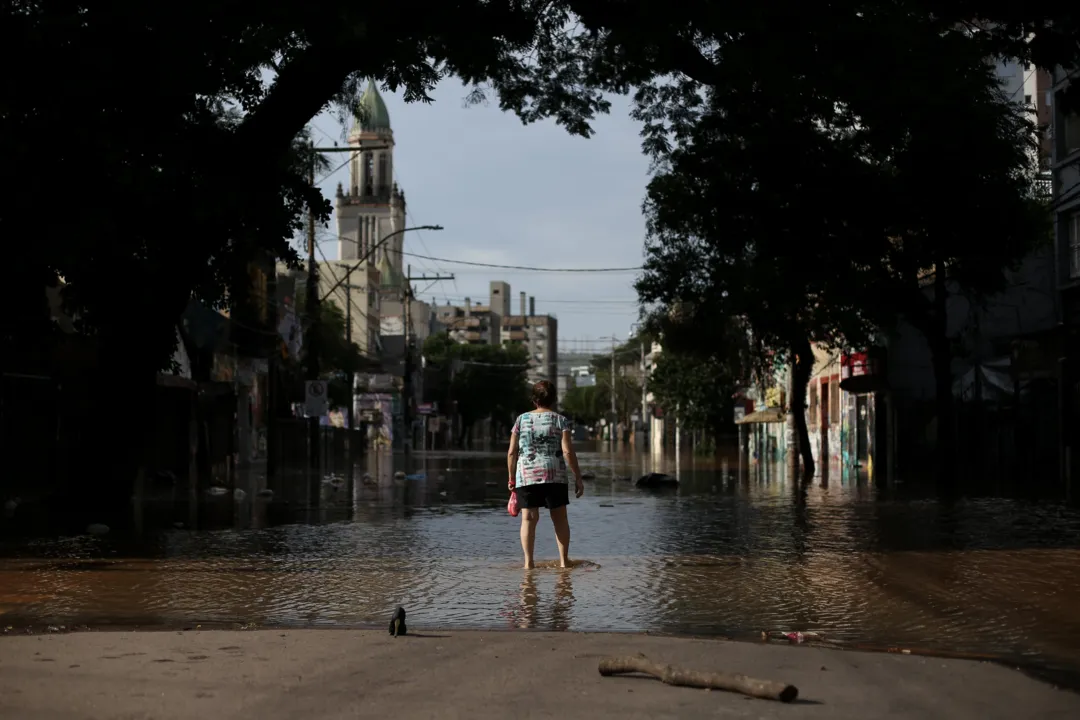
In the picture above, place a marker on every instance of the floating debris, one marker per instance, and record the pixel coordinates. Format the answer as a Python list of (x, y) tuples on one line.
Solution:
[(657, 480), (794, 637)]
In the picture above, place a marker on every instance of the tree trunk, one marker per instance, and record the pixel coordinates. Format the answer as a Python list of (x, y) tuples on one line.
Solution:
[(802, 367), (941, 353), (791, 425)]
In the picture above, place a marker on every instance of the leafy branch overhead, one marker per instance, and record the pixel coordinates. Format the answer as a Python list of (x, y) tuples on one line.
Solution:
[(808, 205), (170, 156)]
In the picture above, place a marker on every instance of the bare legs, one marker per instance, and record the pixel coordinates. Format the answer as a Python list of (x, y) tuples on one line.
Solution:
[(562, 534), (529, 518)]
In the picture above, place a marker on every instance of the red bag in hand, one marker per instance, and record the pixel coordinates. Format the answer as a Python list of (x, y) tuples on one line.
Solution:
[(512, 506)]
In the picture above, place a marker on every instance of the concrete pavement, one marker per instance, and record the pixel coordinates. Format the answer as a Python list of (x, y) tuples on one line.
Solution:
[(288, 674)]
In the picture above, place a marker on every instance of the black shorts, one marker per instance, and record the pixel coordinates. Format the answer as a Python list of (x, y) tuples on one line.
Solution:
[(549, 495)]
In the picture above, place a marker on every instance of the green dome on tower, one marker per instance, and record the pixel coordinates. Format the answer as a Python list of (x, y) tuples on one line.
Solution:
[(371, 112)]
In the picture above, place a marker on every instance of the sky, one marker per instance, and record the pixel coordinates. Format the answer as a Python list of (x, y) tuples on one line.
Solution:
[(512, 194)]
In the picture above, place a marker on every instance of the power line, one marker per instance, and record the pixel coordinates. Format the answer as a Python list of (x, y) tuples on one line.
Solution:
[(420, 238), (581, 301), (348, 295), (522, 267), (525, 268), (330, 174)]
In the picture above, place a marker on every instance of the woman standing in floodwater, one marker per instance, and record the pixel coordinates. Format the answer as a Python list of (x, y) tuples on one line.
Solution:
[(541, 447)]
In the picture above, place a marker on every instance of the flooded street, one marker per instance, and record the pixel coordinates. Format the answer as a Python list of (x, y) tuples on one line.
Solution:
[(721, 556)]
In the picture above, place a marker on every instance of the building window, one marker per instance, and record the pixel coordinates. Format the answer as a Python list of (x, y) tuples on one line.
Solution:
[(1027, 99), (369, 174), (1073, 232), (384, 169), (1071, 136), (1027, 67)]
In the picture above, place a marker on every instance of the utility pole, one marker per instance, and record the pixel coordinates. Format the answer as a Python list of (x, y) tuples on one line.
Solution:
[(349, 287), (406, 382), (645, 382), (678, 440), (312, 334), (614, 414), (350, 372)]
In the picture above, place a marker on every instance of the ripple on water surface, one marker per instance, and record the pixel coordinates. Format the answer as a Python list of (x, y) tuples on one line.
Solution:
[(719, 556)]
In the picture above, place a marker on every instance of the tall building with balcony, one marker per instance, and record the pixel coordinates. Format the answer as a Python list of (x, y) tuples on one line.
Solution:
[(539, 334), (1066, 189), (493, 324), (468, 324), (1030, 87), (1065, 172)]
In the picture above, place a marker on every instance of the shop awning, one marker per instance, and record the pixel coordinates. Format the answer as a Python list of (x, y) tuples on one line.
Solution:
[(768, 415)]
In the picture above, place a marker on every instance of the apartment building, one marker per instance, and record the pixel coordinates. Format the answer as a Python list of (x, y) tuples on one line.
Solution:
[(492, 324), (539, 334)]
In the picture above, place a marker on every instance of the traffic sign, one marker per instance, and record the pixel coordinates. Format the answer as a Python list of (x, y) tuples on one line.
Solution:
[(316, 402)]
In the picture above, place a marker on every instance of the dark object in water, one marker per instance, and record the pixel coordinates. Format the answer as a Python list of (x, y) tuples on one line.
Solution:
[(397, 622), (588, 476), (657, 480)]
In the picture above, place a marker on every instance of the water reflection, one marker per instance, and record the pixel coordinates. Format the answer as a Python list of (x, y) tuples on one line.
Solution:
[(544, 601), (727, 553)]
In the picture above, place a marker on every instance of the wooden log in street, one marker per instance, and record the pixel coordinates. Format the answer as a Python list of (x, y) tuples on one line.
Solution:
[(731, 682)]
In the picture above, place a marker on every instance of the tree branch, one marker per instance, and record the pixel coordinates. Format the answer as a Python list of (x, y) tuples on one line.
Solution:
[(298, 94)]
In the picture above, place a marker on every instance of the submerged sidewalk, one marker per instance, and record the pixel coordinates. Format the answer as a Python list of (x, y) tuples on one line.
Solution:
[(288, 674)]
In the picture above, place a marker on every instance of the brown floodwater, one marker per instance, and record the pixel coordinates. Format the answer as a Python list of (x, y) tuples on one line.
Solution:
[(723, 555)]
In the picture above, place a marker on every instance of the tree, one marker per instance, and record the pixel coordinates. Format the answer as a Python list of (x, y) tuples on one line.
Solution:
[(585, 404), (170, 159), (809, 208), (339, 359), (485, 381), (178, 162), (697, 391)]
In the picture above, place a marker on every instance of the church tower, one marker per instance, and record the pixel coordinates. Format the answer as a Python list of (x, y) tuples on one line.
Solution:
[(372, 207)]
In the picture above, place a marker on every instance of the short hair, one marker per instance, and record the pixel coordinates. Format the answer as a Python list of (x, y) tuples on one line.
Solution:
[(544, 395)]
